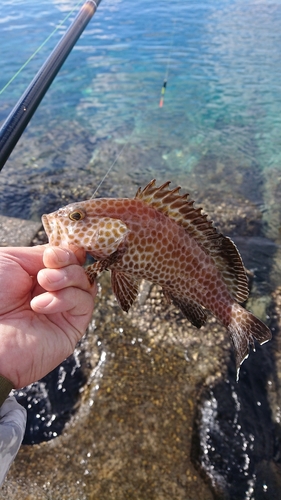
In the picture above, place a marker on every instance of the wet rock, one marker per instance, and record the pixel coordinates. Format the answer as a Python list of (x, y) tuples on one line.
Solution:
[(237, 439), (52, 401), (274, 388), (131, 435), (235, 434), (17, 232)]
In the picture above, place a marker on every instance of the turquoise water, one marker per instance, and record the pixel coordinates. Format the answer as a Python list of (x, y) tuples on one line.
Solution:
[(218, 133)]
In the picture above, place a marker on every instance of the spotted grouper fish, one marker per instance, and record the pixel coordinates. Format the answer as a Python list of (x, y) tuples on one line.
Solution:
[(159, 236)]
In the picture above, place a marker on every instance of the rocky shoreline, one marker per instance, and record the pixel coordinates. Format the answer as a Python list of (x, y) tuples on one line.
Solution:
[(157, 412)]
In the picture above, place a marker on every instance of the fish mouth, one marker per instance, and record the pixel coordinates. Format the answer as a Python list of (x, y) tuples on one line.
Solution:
[(46, 224), (52, 229)]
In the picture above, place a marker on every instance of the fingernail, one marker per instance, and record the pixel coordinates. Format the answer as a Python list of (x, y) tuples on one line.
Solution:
[(53, 275), (41, 301), (62, 255)]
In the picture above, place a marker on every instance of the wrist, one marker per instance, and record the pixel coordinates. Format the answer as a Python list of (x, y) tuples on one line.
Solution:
[(5, 388)]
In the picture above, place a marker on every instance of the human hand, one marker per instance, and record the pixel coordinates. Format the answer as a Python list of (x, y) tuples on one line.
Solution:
[(46, 303)]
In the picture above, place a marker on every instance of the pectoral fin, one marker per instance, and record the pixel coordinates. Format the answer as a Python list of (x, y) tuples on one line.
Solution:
[(191, 309), (125, 288), (98, 267), (93, 271)]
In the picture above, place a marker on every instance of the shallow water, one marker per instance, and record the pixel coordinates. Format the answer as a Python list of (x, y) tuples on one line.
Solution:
[(221, 112), (217, 135)]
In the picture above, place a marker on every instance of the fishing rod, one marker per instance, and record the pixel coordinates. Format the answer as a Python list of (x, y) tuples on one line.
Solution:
[(26, 106)]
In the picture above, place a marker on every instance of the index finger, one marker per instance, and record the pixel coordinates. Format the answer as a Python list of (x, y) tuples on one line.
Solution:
[(57, 257)]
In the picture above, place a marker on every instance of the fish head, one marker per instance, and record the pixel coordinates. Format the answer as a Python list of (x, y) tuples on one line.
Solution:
[(77, 224)]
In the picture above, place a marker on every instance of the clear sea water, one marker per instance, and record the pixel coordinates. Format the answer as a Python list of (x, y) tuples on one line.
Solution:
[(218, 133)]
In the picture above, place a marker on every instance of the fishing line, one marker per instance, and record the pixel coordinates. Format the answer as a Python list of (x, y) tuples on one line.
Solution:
[(40, 47), (108, 171), (160, 105), (21, 114), (164, 86)]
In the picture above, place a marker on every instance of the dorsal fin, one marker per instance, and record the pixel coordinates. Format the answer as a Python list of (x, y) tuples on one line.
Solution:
[(223, 251)]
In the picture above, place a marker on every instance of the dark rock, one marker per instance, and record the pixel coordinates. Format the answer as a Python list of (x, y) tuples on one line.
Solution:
[(236, 438), (52, 401)]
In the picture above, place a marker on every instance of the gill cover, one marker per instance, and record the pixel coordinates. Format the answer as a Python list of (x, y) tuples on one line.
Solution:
[(108, 234)]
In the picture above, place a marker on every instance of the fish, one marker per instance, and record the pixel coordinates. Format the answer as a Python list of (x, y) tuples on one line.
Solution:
[(161, 237)]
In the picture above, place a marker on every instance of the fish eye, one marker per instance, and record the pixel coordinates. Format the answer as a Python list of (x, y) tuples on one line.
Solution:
[(77, 215)]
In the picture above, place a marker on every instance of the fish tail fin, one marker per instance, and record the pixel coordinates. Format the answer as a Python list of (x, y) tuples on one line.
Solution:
[(244, 329)]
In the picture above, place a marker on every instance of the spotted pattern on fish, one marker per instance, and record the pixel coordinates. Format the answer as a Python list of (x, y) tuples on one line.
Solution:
[(159, 236)]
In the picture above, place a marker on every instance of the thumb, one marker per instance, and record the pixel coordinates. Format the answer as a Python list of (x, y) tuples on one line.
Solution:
[(57, 257)]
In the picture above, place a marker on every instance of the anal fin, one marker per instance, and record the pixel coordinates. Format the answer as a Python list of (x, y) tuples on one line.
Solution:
[(193, 311), (125, 288)]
